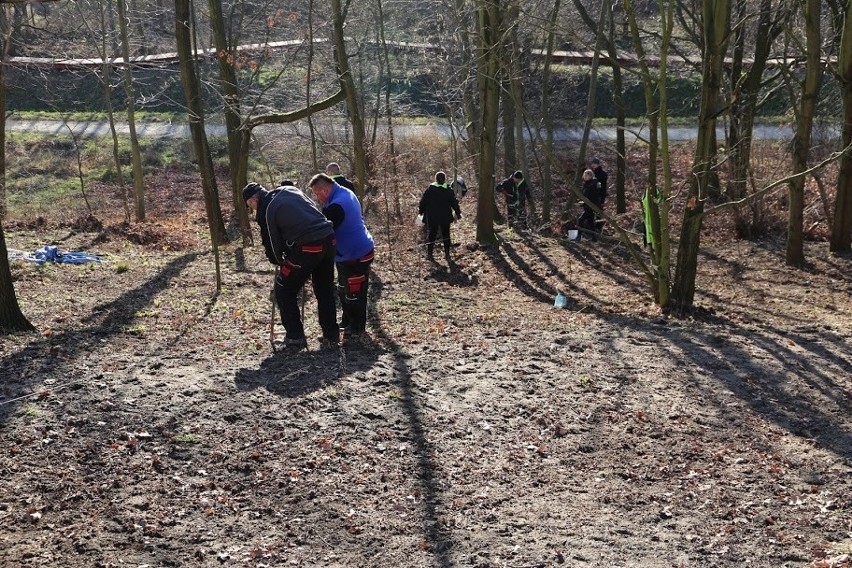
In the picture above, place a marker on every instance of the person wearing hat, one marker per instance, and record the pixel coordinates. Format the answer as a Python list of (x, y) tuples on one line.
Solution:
[(437, 206), (354, 254), (600, 175), (332, 170), (299, 239)]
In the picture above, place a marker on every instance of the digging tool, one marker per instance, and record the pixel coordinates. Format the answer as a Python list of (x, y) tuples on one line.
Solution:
[(272, 319)]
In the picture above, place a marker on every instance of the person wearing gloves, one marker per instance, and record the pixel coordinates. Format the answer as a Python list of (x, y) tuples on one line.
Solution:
[(437, 206), (299, 239)]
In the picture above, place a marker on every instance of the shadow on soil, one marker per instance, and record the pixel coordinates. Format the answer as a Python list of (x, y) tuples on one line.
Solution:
[(309, 371), (60, 356), (725, 351)]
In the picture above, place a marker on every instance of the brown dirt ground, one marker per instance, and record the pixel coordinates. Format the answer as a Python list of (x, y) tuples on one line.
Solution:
[(148, 423)]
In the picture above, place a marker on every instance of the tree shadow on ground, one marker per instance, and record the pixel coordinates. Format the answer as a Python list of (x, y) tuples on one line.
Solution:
[(308, 371), (38, 360), (512, 266), (439, 539), (723, 353)]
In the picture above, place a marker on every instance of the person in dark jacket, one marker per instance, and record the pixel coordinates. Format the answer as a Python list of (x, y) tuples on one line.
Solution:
[(355, 251), (437, 206), (299, 239), (517, 193), (603, 178), (592, 192), (332, 170)]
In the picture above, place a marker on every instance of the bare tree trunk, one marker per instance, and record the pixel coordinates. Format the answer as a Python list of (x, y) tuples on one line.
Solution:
[(841, 227), (746, 87), (592, 98), (488, 56), (224, 54), (617, 95), (135, 153), (347, 85), (546, 72), (389, 111), (620, 117), (308, 76), (716, 28), (11, 317), (192, 91), (795, 255), (656, 198)]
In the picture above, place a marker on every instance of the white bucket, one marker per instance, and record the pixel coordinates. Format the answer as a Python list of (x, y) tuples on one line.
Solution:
[(573, 234)]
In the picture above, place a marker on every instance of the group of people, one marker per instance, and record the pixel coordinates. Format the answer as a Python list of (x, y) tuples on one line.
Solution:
[(439, 202), (308, 239)]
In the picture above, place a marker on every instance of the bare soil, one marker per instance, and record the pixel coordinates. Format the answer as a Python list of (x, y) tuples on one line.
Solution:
[(148, 422)]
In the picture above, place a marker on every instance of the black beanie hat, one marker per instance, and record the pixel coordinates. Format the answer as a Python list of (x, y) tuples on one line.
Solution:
[(250, 190)]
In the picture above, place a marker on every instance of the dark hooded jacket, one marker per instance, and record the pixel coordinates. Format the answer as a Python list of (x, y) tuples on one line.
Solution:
[(438, 203)]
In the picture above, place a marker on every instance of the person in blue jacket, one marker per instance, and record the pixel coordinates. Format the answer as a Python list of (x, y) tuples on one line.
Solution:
[(299, 239), (355, 250)]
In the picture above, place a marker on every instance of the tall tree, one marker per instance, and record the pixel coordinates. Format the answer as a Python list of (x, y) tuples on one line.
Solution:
[(804, 126), (656, 197), (347, 85), (716, 29), (11, 317), (135, 152), (841, 227), (609, 41), (224, 57), (547, 115), (488, 82), (195, 111), (592, 98)]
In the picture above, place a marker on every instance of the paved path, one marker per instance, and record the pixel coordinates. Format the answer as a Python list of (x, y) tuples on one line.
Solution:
[(181, 130)]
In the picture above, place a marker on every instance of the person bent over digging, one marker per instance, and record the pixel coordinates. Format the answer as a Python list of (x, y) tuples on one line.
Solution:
[(355, 251), (299, 239)]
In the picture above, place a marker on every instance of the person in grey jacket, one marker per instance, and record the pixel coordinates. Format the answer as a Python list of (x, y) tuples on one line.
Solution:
[(299, 239)]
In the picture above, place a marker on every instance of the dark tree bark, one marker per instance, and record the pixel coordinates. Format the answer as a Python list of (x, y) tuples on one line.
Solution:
[(488, 56), (192, 91), (717, 27), (841, 228), (795, 255), (11, 317)]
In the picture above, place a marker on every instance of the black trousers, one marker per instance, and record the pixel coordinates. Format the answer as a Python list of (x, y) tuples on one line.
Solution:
[(314, 260), (432, 238), (353, 283), (588, 222), (517, 213)]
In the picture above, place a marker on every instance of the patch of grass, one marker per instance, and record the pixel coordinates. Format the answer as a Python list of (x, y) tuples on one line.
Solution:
[(187, 438), (32, 411), (122, 266), (136, 329)]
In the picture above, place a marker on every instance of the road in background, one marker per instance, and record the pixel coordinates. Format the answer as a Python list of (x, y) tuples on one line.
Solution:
[(85, 129)]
